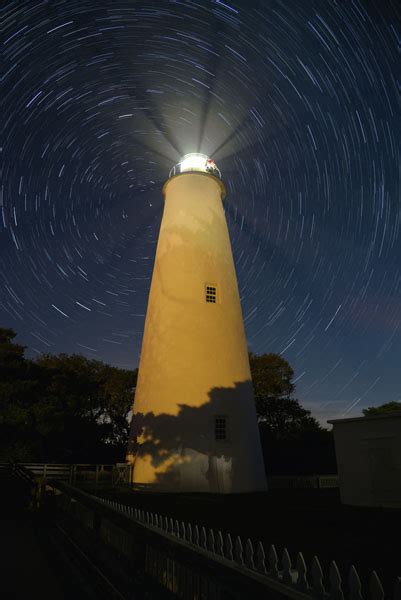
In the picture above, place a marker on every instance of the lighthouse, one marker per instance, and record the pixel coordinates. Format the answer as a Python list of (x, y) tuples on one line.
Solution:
[(194, 425)]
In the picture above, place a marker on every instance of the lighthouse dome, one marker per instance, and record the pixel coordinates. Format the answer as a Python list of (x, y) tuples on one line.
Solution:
[(196, 162)]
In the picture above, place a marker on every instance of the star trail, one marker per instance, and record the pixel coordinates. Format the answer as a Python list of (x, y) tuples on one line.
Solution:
[(298, 103)]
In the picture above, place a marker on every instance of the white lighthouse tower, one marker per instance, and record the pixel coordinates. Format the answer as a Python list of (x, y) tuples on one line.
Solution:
[(194, 425)]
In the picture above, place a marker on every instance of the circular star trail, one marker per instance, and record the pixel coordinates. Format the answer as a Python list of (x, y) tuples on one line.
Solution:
[(299, 105)]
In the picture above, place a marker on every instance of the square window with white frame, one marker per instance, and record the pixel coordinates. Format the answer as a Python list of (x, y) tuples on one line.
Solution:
[(211, 294), (220, 428)]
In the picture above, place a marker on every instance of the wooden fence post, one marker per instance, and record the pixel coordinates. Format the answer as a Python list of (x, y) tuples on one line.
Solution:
[(72, 474)]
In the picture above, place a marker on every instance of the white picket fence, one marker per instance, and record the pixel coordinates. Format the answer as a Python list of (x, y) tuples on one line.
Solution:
[(256, 562)]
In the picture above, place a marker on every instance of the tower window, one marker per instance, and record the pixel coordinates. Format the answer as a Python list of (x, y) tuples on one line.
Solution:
[(220, 428), (211, 294)]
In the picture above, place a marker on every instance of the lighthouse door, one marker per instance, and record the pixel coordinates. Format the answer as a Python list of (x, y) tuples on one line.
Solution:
[(221, 474)]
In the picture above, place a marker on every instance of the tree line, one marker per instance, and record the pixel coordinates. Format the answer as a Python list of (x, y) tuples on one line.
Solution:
[(68, 408), (63, 408)]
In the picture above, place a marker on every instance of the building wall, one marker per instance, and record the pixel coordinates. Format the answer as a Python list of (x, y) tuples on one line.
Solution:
[(368, 454), (194, 360)]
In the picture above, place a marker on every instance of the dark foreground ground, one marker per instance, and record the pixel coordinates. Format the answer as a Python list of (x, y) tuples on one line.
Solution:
[(311, 521), (37, 560), (26, 568)]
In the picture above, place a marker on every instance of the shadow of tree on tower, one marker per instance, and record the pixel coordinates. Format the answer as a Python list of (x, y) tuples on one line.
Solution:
[(181, 453)]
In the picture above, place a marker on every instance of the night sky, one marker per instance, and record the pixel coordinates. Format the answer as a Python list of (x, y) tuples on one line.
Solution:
[(299, 104)]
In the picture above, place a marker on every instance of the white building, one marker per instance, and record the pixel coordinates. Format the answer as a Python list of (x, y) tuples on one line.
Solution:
[(194, 425), (368, 451)]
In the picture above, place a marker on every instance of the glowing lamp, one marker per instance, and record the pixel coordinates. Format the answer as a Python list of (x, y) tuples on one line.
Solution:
[(195, 162)]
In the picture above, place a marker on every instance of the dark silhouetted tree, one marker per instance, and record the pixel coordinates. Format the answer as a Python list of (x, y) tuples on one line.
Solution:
[(18, 388), (61, 408), (272, 378), (293, 441), (390, 408), (83, 408)]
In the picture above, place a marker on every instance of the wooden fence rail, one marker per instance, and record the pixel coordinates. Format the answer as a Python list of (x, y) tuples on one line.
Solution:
[(74, 473), (109, 473)]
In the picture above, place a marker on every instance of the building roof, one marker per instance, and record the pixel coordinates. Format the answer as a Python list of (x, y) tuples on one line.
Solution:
[(388, 416)]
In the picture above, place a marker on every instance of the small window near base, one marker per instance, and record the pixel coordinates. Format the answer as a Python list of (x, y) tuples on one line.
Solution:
[(211, 294), (220, 428)]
